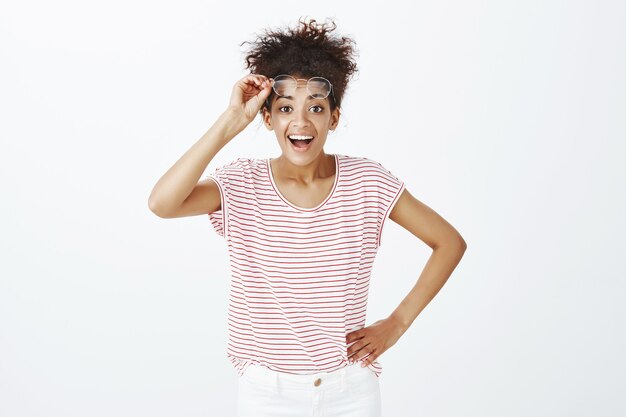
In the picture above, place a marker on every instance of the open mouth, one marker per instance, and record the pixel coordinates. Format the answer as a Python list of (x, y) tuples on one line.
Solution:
[(300, 142)]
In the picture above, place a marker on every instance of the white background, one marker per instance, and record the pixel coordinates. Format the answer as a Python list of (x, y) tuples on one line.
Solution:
[(507, 118)]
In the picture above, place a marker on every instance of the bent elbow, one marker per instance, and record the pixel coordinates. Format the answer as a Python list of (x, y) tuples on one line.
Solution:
[(156, 209)]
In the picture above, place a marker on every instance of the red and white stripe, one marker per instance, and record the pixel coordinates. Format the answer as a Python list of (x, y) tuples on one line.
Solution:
[(300, 276)]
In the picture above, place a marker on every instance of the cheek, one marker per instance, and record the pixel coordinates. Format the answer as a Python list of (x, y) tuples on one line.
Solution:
[(279, 125)]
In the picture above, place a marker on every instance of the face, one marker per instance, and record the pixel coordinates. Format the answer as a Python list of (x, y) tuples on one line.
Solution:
[(304, 115)]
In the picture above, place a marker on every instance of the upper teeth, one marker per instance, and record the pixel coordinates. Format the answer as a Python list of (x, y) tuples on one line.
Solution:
[(299, 137)]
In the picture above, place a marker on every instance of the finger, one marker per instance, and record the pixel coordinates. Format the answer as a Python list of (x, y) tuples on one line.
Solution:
[(353, 349), (251, 80), (371, 350), (373, 355), (365, 361), (260, 83), (359, 352), (371, 359), (258, 79), (357, 357), (263, 94), (353, 354)]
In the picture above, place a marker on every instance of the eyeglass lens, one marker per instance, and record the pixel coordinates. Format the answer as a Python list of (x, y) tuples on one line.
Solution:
[(317, 87)]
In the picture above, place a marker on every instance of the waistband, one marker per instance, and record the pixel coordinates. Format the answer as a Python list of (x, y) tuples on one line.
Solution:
[(321, 381)]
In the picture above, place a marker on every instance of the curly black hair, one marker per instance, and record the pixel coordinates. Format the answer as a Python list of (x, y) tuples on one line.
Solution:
[(306, 51)]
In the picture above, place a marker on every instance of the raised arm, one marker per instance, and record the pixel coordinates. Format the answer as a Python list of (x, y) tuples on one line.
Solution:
[(178, 192)]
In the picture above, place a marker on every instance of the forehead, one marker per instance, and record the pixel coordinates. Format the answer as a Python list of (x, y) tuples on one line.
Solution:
[(301, 94)]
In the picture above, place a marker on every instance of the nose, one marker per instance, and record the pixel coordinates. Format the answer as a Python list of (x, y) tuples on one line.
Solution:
[(300, 117)]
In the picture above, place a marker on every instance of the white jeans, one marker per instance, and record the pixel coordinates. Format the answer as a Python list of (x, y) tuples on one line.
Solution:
[(352, 391)]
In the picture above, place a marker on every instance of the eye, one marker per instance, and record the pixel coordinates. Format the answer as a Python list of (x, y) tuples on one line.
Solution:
[(321, 109)]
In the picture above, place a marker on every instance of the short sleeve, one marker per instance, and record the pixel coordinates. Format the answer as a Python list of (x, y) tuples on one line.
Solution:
[(390, 188), (225, 177)]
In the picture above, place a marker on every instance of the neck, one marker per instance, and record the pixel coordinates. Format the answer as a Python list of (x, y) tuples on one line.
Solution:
[(321, 167)]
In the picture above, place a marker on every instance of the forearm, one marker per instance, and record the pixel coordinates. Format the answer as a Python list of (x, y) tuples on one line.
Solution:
[(179, 181), (436, 272)]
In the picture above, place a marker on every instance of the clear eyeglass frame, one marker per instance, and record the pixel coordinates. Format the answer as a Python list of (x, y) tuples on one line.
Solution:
[(308, 85)]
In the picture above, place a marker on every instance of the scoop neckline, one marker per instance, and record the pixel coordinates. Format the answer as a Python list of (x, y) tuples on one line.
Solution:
[(282, 197)]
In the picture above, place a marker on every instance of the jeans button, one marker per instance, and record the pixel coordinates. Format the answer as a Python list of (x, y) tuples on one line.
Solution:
[(317, 382)]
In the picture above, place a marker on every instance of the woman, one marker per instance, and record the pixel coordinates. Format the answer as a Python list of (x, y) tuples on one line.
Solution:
[(303, 230)]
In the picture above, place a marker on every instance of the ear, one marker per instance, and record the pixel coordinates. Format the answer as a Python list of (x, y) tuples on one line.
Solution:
[(267, 119), (334, 118)]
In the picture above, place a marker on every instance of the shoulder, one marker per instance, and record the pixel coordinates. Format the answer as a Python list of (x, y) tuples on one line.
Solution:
[(367, 166), (239, 166), (352, 161)]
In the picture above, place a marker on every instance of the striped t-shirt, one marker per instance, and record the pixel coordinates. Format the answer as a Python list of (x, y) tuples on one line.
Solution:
[(300, 276)]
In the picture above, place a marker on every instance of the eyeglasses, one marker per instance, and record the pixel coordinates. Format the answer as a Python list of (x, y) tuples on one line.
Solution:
[(317, 87)]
